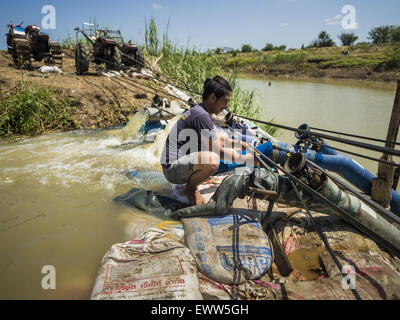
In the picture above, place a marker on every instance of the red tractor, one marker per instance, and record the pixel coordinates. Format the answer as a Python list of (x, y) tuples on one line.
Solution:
[(108, 47), (29, 44)]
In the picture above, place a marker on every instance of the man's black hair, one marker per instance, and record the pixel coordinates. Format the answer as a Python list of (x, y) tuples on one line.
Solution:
[(217, 85)]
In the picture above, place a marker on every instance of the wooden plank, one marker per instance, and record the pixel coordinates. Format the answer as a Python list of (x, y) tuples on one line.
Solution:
[(381, 189), (280, 258)]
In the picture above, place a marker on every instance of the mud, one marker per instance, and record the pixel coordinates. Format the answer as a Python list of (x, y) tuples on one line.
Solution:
[(101, 102)]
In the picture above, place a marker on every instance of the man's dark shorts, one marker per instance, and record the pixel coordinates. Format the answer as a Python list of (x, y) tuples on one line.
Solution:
[(179, 171)]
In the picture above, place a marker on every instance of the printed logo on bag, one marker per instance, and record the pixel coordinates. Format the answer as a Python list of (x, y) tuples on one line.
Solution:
[(248, 258), (143, 269), (214, 222)]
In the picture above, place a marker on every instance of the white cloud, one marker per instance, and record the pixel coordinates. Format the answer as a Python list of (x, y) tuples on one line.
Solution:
[(284, 24), (335, 20), (339, 20), (156, 6)]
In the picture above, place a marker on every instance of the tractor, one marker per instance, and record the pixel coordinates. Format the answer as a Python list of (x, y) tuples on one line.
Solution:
[(29, 44), (109, 47)]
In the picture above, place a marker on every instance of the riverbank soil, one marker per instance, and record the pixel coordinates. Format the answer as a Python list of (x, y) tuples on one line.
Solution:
[(100, 102), (359, 62)]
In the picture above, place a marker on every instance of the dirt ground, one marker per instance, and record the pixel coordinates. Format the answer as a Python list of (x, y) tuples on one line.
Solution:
[(101, 102)]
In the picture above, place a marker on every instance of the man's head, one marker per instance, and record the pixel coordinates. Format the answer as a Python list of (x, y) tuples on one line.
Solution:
[(216, 94)]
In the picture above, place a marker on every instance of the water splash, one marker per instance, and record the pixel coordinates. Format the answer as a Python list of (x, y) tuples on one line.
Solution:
[(131, 130)]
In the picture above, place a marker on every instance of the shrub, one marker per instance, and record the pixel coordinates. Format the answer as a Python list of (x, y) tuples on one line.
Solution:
[(323, 40), (347, 39), (29, 110), (247, 48)]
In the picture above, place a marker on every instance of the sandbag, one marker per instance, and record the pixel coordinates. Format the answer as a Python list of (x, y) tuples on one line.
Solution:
[(152, 266), (212, 290), (229, 249)]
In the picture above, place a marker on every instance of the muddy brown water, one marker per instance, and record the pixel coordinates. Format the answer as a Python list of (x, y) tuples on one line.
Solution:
[(56, 190)]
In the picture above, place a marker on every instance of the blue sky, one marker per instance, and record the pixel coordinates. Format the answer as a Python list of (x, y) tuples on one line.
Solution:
[(209, 23)]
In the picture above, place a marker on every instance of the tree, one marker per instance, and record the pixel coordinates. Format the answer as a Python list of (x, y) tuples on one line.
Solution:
[(247, 48), (271, 47), (380, 35), (324, 40), (395, 34), (268, 47), (347, 39)]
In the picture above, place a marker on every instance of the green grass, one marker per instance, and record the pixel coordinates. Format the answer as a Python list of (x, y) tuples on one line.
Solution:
[(241, 61), (29, 110), (295, 58)]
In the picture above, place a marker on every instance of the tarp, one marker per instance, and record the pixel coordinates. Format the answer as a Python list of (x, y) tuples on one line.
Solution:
[(233, 186)]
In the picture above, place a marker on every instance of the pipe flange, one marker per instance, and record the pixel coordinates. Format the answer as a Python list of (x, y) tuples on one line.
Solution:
[(295, 164)]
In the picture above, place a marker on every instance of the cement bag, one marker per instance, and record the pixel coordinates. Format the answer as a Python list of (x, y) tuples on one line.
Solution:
[(173, 229), (152, 266), (212, 290), (297, 232), (229, 249)]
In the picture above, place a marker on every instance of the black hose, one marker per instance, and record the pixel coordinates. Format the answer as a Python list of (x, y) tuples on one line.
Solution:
[(345, 151), (373, 204), (356, 136), (346, 216), (324, 136), (360, 155)]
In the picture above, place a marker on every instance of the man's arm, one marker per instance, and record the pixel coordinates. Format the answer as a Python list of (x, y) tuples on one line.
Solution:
[(229, 149)]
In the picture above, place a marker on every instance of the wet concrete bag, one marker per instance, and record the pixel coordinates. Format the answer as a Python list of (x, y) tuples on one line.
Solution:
[(153, 266), (229, 249)]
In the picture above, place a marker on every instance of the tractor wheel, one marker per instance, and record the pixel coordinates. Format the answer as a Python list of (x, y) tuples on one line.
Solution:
[(21, 53), (81, 58), (139, 58), (116, 60), (56, 53)]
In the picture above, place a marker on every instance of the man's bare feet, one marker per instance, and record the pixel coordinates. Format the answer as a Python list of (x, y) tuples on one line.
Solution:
[(194, 197), (212, 181)]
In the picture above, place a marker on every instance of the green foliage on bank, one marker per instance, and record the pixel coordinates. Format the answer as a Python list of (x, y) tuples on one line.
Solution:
[(374, 57), (29, 110)]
